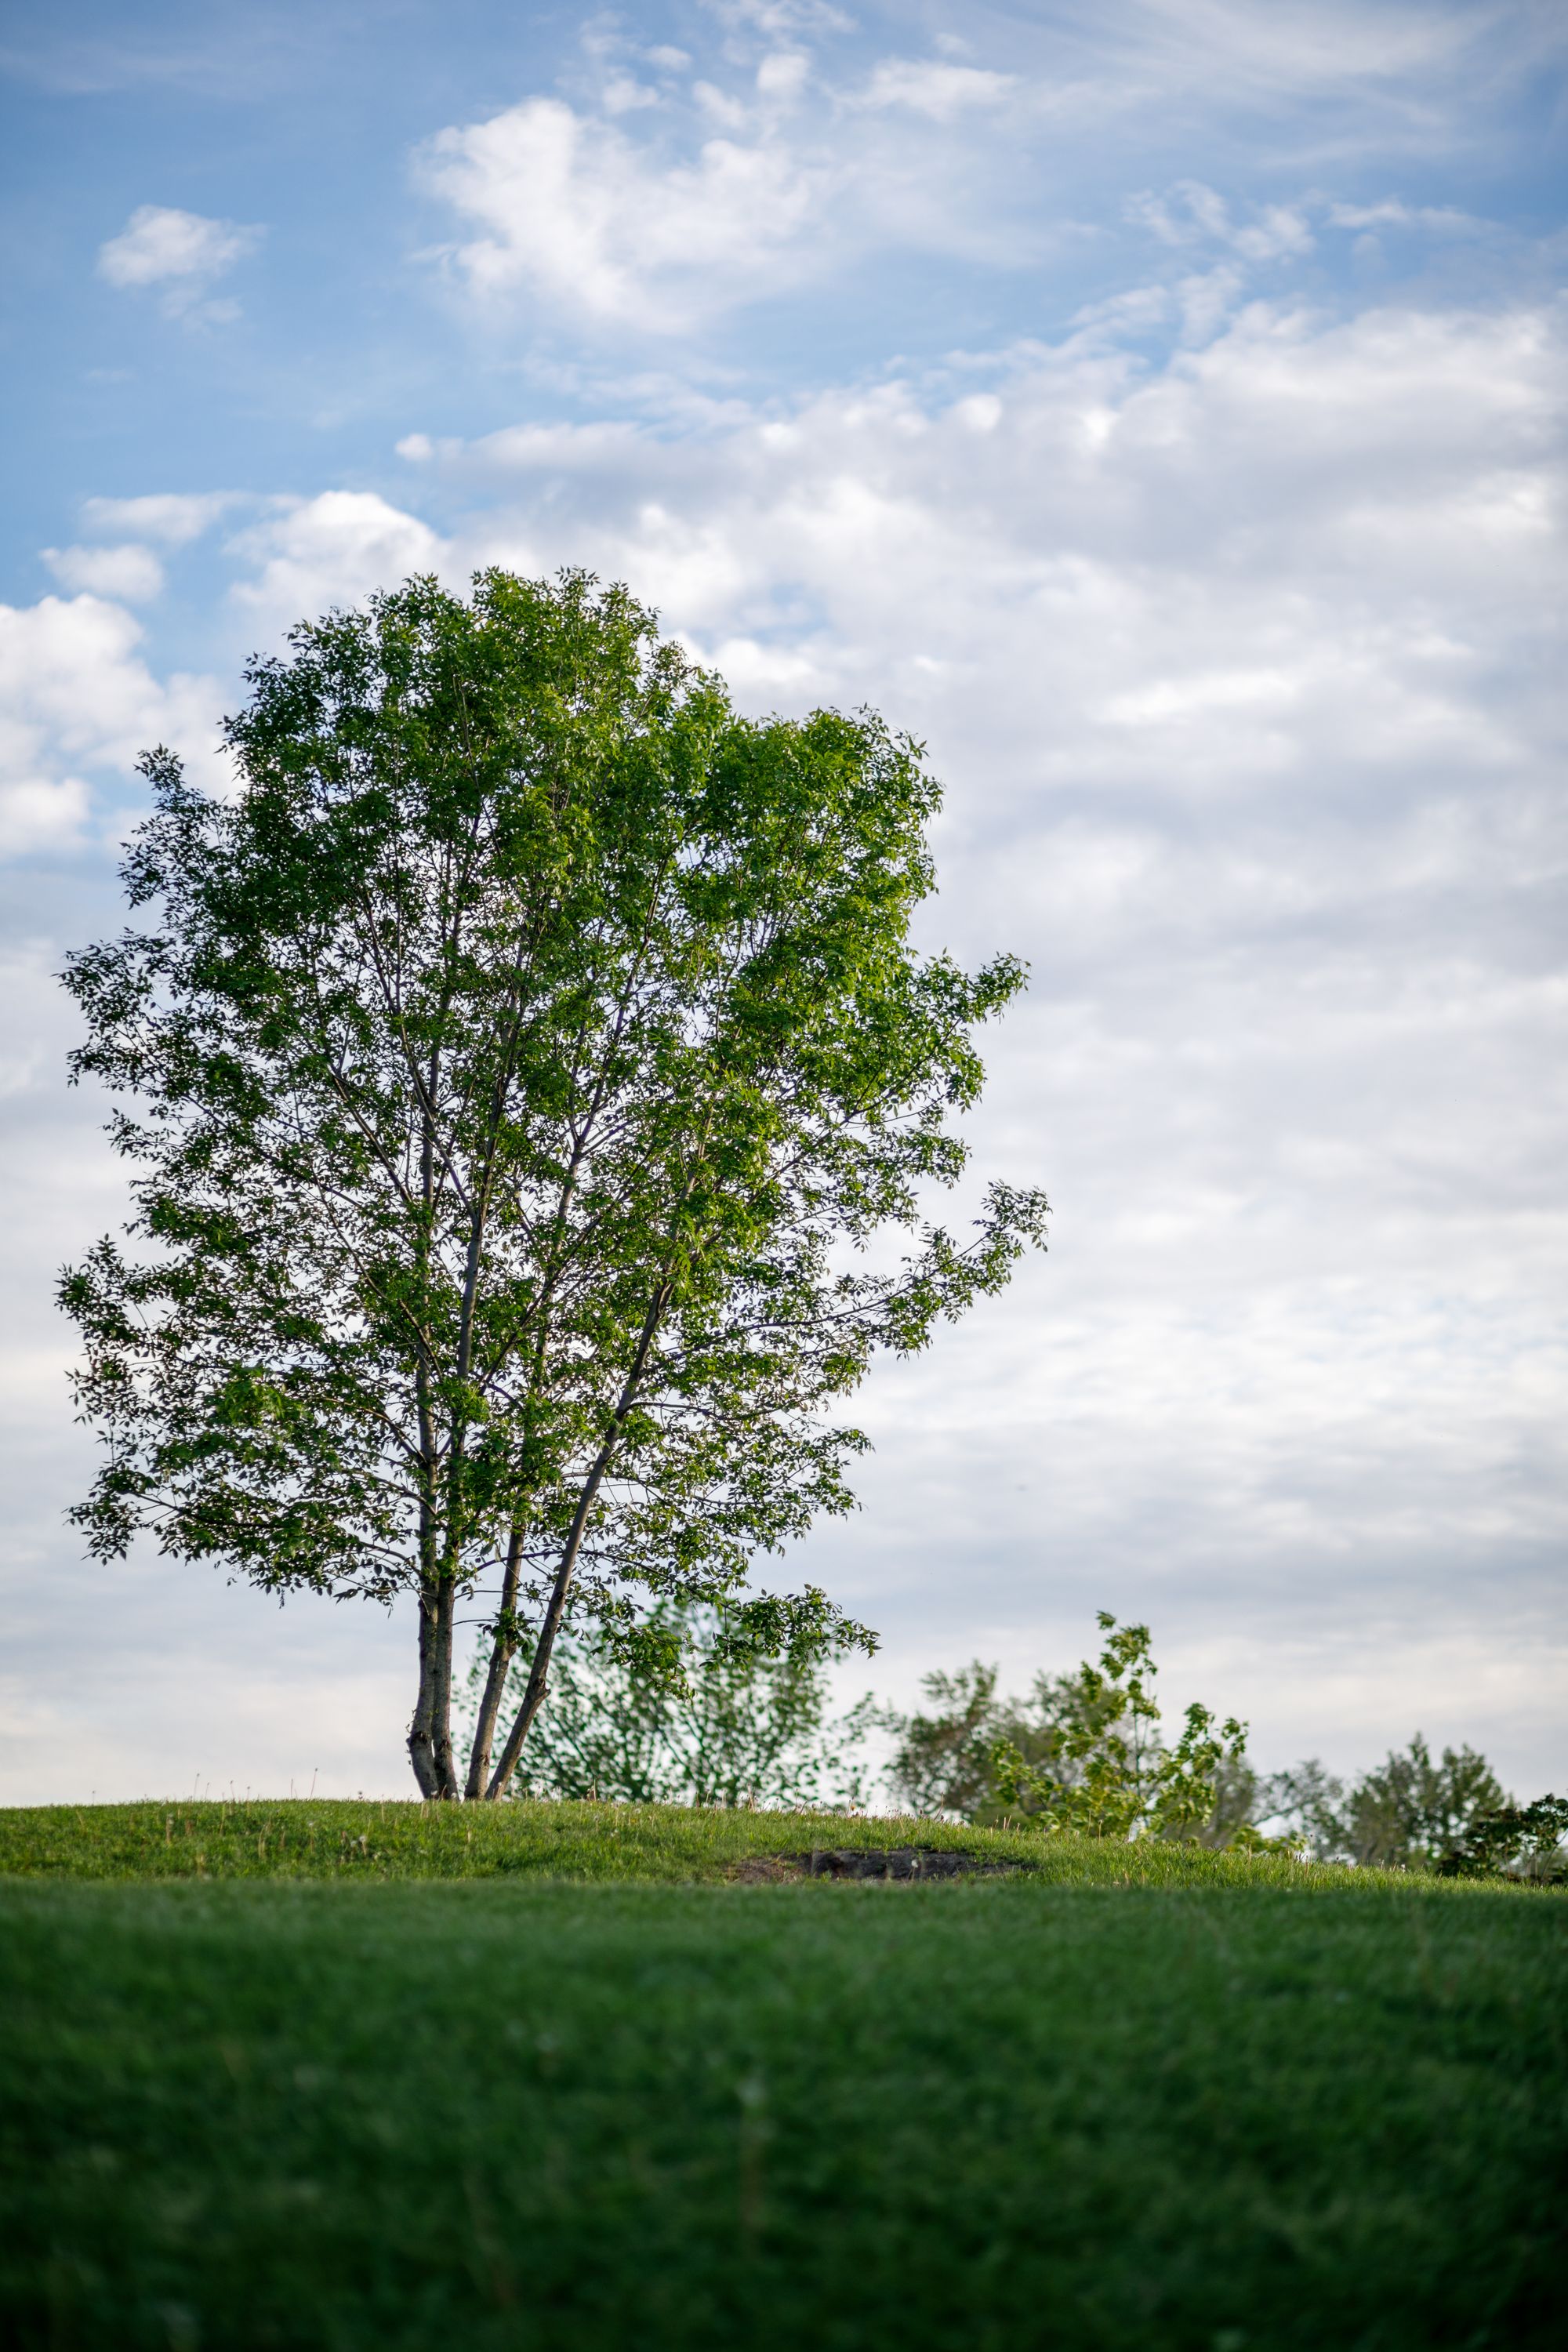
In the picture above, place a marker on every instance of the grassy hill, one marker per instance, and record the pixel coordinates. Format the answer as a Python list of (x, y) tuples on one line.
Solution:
[(351, 2075), (366, 1840)]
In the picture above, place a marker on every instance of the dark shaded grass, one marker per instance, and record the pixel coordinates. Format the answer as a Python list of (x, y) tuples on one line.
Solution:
[(987, 2113)]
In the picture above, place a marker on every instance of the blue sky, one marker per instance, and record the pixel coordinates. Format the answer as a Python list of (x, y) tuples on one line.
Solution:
[(1157, 405)]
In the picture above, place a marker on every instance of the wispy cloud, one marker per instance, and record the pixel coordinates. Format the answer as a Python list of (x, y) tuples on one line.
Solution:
[(1301, 49), (172, 518), (933, 88), (180, 253), (1191, 214), (783, 19), (1392, 212)]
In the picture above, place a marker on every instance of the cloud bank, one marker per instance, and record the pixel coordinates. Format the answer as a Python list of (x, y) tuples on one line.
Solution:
[(1238, 670)]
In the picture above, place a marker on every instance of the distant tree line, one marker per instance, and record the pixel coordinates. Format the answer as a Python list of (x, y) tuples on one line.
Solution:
[(958, 1759), (712, 1721)]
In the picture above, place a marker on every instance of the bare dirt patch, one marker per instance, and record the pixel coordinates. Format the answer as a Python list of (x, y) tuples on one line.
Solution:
[(905, 1862)]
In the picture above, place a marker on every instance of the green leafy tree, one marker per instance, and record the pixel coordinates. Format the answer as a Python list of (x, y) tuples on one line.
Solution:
[(1105, 1770), (1407, 1813), (944, 1761), (1415, 1807), (1084, 1751), (515, 1072), (1303, 1804), (712, 1720), (1513, 1842)]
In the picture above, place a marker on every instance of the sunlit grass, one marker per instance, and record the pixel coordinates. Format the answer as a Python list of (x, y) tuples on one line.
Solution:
[(363, 1839)]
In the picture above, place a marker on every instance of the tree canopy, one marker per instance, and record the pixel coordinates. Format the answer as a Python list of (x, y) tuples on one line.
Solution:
[(517, 1070)]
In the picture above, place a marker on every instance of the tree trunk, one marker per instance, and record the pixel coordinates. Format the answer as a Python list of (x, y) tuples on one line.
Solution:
[(537, 1677), (533, 1696), (502, 1652), (421, 1731), (430, 1731), (446, 1773)]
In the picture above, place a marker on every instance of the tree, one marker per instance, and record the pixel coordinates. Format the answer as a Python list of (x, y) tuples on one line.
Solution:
[(1083, 1751), (718, 1722), (1513, 1841), (519, 1068), (1412, 1808), (1407, 1813), (942, 1763), (1304, 1802)]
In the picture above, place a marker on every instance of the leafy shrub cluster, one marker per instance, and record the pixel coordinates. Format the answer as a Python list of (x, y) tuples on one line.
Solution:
[(1083, 1751)]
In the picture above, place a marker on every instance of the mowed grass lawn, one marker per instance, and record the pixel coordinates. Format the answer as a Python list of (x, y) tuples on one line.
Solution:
[(431, 2087)]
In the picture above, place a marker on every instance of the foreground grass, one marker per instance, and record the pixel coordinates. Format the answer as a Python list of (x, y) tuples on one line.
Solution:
[(1227, 2114)]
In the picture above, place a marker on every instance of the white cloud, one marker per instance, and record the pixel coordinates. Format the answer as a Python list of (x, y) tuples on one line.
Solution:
[(36, 813), (1280, 443), (567, 207), (172, 518), (1188, 217), (332, 550), (181, 252), (981, 412), (938, 90), (782, 75), (660, 218), (76, 693), (745, 187), (625, 214), (622, 95), (130, 573)]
